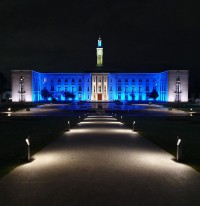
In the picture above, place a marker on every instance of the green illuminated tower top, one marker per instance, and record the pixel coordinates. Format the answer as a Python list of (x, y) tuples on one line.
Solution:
[(99, 53)]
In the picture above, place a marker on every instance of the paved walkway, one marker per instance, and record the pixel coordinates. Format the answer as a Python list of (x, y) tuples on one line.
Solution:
[(101, 162)]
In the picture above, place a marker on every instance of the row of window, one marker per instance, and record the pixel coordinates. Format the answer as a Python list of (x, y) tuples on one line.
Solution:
[(134, 80), (73, 80)]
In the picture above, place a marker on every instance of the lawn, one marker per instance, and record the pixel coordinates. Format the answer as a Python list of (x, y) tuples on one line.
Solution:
[(163, 131), (14, 131)]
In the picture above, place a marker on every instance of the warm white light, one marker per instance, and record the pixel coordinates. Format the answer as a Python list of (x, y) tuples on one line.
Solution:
[(27, 141), (179, 141), (9, 109), (134, 122)]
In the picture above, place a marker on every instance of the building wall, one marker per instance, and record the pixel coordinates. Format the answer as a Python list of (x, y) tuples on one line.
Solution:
[(27, 85), (108, 86), (133, 86), (184, 83)]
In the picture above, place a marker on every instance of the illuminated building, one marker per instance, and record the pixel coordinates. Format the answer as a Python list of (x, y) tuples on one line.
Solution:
[(171, 85)]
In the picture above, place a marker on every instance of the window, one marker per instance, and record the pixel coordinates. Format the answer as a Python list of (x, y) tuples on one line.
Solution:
[(80, 80), (72, 89), (94, 89), (99, 88), (35, 87), (73, 80), (126, 88), (52, 80), (99, 79), (126, 80), (119, 80), (66, 80), (147, 79), (52, 88), (119, 88), (88, 88), (59, 88), (140, 80), (133, 80), (140, 88), (65, 88), (59, 80), (147, 88), (104, 79), (104, 88), (79, 88), (111, 88), (94, 79)]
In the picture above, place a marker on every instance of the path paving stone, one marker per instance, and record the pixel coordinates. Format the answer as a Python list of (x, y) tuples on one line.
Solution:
[(101, 162)]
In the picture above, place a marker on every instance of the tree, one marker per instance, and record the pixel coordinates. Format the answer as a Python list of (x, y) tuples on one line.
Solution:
[(132, 95), (45, 94), (154, 94), (68, 95), (3, 82)]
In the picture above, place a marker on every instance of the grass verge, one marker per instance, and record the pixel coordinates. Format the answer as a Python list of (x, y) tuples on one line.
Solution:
[(163, 131), (14, 131)]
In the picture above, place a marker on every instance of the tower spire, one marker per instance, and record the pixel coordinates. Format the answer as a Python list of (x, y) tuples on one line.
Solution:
[(99, 53)]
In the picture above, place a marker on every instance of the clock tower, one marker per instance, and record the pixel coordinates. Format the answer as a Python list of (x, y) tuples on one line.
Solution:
[(99, 53)]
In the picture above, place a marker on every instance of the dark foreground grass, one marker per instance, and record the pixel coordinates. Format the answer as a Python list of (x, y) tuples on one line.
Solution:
[(14, 131), (163, 131)]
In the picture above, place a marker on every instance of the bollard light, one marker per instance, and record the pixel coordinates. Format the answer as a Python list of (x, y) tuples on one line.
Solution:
[(133, 126), (28, 149), (68, 125), (179, 150), (9, 109), (121, 118), (27, 142)]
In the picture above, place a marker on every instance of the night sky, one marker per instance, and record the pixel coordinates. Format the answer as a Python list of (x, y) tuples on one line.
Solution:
[(138, 35)]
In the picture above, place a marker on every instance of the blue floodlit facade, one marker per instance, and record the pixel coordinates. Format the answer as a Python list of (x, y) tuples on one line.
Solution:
[(171, 85)]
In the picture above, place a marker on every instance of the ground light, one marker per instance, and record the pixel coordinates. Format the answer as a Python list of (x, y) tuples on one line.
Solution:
[(28, 149), (179, 150), (68, 125), (133, 126), (9, 109)]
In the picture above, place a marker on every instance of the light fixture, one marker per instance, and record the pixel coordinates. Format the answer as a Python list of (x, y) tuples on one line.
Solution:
[(28, 149), (179, 150)]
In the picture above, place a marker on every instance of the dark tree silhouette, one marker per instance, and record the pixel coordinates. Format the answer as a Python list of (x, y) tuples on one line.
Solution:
[(68, 95), (45, 94), (132, 95), (154, 94), (3, 82)]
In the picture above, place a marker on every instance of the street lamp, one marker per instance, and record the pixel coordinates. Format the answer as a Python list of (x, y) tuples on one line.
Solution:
[(133, 126), (28, 149)]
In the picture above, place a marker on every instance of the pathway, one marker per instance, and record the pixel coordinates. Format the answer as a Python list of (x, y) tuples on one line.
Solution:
[(101, 162)]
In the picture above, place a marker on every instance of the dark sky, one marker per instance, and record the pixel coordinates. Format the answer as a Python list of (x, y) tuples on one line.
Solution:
[(138, 35)]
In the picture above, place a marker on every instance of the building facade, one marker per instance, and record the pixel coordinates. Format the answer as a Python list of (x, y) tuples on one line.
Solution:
[(171, 85)]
